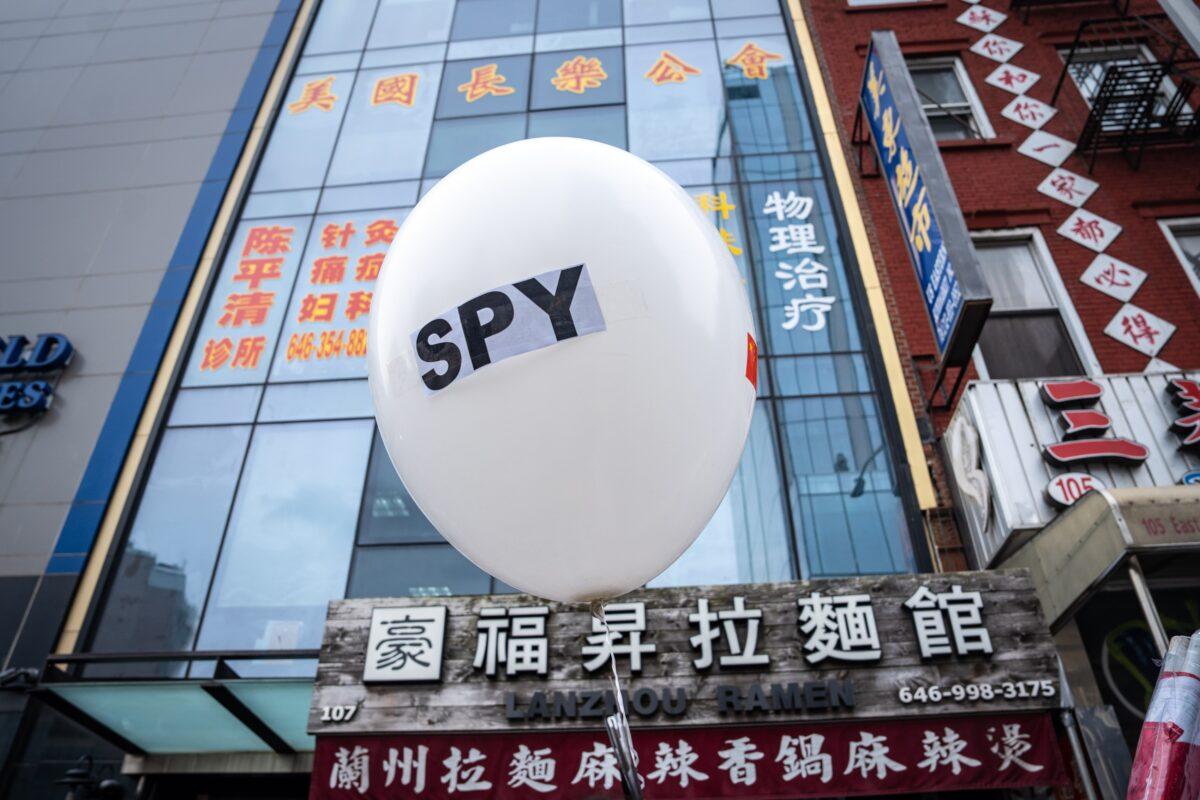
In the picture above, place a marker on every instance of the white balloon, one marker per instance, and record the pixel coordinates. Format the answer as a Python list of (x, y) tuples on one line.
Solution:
[(580, 470)]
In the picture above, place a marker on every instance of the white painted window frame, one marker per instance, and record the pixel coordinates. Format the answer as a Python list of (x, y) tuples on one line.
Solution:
[(1147, 55), (978, 113), (1058, 293), (1168, 227)]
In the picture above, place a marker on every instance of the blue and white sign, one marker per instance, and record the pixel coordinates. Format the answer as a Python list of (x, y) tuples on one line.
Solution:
[(955, 296)]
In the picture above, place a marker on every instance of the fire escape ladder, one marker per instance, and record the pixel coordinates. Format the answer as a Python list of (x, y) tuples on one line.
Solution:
[(1147, 94)]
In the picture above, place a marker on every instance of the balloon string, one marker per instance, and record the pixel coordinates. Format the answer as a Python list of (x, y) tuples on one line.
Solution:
[(617, 725)]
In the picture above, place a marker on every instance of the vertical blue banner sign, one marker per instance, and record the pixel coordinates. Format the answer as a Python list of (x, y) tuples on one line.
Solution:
[(956, 297)]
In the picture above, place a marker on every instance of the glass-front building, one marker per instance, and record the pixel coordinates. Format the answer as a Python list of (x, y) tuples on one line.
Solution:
[(268, 491)]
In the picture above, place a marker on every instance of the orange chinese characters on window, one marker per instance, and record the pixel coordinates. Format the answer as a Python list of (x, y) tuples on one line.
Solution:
[(330, 269), (249, 350), (579, 74), (398, 89), (670, 68), (216, 353), (753, 61), (368, 267), (485, 80), (256, 270), (381, 230), (246, 309), (316, 94), (318, 307), (334, 235), (358, 304), (268, 240)]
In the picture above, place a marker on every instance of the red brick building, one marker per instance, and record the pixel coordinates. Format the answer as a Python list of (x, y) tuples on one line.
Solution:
[(1119, 85)]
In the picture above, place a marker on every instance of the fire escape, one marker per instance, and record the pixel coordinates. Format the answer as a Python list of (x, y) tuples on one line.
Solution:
[(1141, 80)]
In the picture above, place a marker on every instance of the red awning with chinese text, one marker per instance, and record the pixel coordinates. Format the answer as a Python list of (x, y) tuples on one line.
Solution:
[(771, 761)]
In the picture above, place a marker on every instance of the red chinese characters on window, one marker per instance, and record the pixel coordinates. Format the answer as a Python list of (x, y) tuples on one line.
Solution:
[(315, 94), (1084, 428), (398, 89), (253, 271), (1186, 395), (753, 61), (268, 240), (261, 264), (368, 267), (670, 68), (381, 231), (318, 307), (330, 269), (250, 308), (334, 235), (246, 354)]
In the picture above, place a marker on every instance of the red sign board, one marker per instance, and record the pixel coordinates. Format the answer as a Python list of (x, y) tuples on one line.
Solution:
[(767, 761)]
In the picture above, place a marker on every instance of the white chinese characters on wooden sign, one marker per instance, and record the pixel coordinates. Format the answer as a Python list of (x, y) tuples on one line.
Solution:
[(1067, 187), (981, 18), (1113, 277), (996, 47), (1028, 112), (1090, 230), (405, 644), (1140, 329), (1046, 148), (1012, 78)]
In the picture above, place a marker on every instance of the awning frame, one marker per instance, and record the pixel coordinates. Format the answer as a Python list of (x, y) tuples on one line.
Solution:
[(66, 669)]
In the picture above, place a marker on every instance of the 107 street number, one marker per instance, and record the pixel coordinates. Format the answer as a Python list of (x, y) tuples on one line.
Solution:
[(971, 692)]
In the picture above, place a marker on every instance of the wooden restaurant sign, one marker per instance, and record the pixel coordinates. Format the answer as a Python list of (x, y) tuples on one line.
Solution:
[(897, 683)]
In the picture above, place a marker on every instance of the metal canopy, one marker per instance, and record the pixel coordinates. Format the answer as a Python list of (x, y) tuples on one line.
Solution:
[(1071, 557), (224, 713)]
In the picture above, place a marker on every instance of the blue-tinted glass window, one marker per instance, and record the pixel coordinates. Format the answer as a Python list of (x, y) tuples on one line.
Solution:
[(415, 571), (642, 12), (457, 140), (387, 125), (484, 86), (805, 294), (604, 124), (843, 492), (410, 22), (766, 108), (340, 26), (162, 578), (290, 536), (486, 19), (669, 118), (389, 515), (747, 539), (578, 78), (305, 131), (570, 15)]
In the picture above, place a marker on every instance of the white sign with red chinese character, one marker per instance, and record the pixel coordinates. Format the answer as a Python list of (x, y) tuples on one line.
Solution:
[(1067, 187), (1113, 277), (1012, 78), (1090, 230), (1046, 148), (996, 47), (1028, 112), (1140, 329), (981, 18)]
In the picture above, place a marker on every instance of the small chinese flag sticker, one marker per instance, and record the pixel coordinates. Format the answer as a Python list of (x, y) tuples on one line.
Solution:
[(752, 361)]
